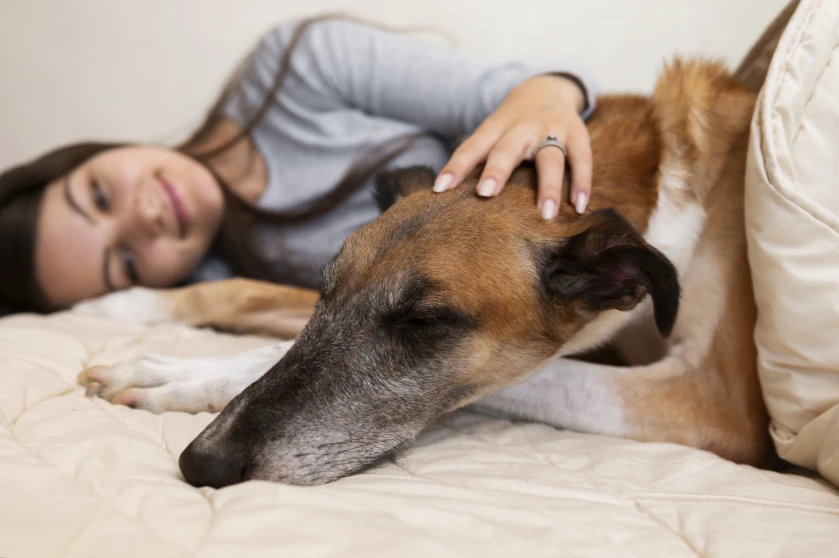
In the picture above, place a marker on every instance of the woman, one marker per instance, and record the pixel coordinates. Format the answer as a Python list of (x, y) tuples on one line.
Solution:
[(276, 178)]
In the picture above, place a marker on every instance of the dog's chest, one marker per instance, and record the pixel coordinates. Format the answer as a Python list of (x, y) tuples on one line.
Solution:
[(677, 221)]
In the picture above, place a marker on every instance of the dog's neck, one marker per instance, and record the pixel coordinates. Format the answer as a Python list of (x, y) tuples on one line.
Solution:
[(627, 155), (626, 151)]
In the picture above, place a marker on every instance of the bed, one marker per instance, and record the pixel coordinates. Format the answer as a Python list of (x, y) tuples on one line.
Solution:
[(80, 477)]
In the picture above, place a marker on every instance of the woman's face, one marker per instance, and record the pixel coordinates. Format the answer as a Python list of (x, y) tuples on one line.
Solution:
[(128, 216)]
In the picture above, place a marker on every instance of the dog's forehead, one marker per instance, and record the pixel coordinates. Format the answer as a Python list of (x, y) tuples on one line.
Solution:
[(465, 247), (424, 224)]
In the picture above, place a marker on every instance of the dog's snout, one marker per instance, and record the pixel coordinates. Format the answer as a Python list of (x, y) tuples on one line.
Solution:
[(217, 469)]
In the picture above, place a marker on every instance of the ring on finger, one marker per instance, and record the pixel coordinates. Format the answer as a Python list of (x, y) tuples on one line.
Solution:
[(552, 141)]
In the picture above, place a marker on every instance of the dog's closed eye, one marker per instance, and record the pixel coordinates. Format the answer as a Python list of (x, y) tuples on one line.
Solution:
[(429, 318)]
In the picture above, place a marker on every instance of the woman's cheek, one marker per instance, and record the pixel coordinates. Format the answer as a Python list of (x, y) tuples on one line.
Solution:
[(168, 264)]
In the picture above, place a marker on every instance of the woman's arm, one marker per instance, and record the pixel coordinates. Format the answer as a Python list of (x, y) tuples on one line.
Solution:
[(347, 64), (340, 65)]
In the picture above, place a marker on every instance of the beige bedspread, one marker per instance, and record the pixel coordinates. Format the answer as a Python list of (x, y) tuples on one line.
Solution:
[(80, 477)]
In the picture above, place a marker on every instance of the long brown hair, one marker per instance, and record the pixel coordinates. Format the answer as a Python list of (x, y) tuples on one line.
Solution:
[(22, 188)]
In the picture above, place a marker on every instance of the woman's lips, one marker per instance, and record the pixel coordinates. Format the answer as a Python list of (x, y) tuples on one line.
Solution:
[(178, 205)]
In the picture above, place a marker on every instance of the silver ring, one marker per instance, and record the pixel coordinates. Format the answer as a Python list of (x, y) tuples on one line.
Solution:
[(551, 141)]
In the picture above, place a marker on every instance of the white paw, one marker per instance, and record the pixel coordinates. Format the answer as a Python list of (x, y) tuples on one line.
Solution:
[(154, 383), (137, 305), (160, 384)]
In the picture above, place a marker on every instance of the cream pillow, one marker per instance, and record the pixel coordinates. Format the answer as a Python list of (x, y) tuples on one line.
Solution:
[(792, 219)]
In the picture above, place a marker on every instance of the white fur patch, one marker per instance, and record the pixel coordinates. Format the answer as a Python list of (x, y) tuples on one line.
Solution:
[(137, 305), (160, 384), (567, 394), (674, 228)]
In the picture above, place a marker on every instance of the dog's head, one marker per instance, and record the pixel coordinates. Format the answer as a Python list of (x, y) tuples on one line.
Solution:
[(444, 298)]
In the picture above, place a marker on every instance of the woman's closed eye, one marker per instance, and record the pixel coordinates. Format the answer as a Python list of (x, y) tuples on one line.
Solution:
[(126, 256), (99, 198), (129, 265)]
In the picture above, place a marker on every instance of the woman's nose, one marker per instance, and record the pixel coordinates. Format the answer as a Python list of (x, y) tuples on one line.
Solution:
[(148, 214)]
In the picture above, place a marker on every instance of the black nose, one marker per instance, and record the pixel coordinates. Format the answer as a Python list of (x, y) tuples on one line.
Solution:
[(217, 468)]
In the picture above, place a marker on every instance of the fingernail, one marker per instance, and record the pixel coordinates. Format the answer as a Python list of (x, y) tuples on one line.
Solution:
[(443, 182), (582, 202), (487, 187), (548, 209)]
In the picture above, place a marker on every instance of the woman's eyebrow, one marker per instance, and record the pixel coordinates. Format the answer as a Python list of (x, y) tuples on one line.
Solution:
[(72, 203)]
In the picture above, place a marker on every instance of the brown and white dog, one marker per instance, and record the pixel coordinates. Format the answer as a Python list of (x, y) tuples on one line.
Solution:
[(448, 300)]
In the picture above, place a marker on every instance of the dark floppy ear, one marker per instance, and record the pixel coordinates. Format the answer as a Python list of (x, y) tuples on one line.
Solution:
[(610, 266), (392, 186)]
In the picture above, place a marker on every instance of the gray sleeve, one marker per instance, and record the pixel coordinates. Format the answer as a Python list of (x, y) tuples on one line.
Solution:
[(340, 64)]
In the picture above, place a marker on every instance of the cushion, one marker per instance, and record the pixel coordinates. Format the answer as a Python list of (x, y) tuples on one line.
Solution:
[(792, 218), (752, 69)]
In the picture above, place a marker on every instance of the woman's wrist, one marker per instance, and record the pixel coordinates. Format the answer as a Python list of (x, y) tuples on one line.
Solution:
[(566, 87)]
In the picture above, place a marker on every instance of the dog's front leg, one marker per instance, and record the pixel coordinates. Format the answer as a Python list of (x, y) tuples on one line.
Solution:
[(159, 384), (566, 393), (662, 402), (240, 305)]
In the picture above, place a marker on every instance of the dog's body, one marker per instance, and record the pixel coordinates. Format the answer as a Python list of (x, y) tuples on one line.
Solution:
[(448, 300)]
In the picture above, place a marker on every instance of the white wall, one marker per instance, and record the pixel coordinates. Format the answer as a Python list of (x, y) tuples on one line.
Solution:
[(147, 69)]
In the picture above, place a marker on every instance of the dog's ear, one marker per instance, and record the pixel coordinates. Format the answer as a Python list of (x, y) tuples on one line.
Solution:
[(610, 266), (391, 186)]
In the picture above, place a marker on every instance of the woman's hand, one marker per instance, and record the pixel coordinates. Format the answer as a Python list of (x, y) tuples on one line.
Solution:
[(539, 107)]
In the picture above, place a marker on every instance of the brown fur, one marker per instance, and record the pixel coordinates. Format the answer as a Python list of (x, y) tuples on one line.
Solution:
[(485, 260), (243, 306)]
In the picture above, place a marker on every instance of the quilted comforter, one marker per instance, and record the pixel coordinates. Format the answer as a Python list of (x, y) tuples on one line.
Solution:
[(80, 477)]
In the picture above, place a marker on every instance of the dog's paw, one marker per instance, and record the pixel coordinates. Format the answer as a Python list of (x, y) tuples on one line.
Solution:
[(138, 305), (158, 384), (192, 385)]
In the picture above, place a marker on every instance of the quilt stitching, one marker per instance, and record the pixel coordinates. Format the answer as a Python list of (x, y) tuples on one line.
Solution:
[(634, 503), (106, 503), (518, 448)]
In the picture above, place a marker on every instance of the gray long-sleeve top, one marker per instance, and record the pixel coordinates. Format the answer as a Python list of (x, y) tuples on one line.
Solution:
[(351, 88)]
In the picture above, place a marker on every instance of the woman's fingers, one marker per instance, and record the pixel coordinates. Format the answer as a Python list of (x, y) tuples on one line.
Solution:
[(503, 153), (541, 105), (467, 156), (580, 161), (550, 171), (507, 154)]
